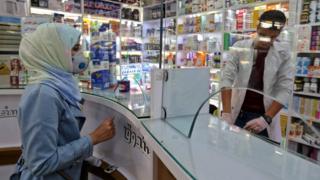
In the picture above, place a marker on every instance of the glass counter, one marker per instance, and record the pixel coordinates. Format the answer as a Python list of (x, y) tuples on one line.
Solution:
[(136, 102), (227, 152)]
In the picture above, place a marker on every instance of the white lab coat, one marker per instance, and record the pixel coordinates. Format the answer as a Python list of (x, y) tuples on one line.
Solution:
[(277, 79)]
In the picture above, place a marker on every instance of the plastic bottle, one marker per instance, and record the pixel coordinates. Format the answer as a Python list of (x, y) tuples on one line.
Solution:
[(313, 85), (306, 86)]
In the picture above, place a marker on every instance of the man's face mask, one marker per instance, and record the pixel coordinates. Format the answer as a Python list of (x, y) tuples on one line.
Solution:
[(79, 62)]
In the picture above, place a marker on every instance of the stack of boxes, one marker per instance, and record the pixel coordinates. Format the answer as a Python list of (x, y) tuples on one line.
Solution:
[(304, 36), (102, 8), (196, 6), (103, 56), (190, 25), (310, 12), (307, 106), (315, 38)]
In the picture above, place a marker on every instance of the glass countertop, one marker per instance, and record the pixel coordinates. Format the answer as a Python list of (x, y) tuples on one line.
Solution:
[(136, 102), (218, 150)]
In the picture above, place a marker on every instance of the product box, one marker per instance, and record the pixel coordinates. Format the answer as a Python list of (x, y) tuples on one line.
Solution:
[(302, 104), (314, 107), (307, 107), (100, 74), (4, 72), (296, 103)]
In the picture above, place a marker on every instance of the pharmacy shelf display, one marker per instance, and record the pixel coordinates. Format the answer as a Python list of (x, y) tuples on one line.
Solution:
[(12, 71), (306, 95)]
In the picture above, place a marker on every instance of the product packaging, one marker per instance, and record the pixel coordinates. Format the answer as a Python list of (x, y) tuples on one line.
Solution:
[(100, 75)]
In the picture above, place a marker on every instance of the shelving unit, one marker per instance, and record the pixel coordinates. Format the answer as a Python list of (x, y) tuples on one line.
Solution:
[(255, 4), (302, 141), (302, 116), (304, 101), (317, 95), (12, 71), (308, 76)]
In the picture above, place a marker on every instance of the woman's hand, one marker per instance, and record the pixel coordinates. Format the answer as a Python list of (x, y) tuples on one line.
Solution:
[(104, 131)]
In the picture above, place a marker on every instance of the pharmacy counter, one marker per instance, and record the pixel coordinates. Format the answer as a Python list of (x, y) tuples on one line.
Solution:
[(146, 149)]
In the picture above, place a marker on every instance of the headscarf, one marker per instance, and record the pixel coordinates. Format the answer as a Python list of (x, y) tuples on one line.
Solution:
[(46, 54)]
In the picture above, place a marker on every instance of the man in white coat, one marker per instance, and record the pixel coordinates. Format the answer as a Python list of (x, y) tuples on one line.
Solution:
[(262, 64)]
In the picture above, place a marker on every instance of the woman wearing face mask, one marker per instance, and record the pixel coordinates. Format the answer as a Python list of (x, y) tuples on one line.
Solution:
[(50, 118), (262, 64)]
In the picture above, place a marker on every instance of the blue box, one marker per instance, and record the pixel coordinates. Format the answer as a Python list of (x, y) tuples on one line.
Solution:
[(100, 79)]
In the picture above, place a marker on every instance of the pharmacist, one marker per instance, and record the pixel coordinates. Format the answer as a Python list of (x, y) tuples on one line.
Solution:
[(263, 65)]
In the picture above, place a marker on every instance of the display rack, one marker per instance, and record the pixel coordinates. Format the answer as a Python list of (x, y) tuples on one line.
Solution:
[(12, 71), (306, 95)]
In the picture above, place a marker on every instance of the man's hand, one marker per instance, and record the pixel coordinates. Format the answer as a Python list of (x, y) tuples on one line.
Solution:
[(256, 125)]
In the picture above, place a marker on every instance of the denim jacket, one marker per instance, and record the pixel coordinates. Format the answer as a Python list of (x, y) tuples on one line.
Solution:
[(50, 133)]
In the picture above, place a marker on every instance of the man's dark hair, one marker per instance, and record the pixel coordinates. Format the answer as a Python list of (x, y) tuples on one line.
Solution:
[(274, 16)]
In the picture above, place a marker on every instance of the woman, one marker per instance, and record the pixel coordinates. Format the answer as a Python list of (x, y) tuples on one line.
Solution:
[(50, 118)]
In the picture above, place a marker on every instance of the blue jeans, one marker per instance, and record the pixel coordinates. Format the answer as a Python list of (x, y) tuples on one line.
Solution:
[(245, 117)]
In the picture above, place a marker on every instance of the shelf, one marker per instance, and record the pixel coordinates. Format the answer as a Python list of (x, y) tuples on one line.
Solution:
[(100, 18), (128, 37), (136, 39), (199, 33), (309, 24), (307, 94), (131, 21), (190, 34), (158, 20), (243, 30), (169, 36), (157, 4), (128, 5), (152, 50), (44, 11), (255, 4), (201, 13), (9, 49), (302, 116), (190, 50), (316, 52), (131, 52), (308, 76), (302, 141)]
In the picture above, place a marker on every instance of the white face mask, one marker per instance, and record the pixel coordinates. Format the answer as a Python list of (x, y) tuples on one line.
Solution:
[(79, 62)]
